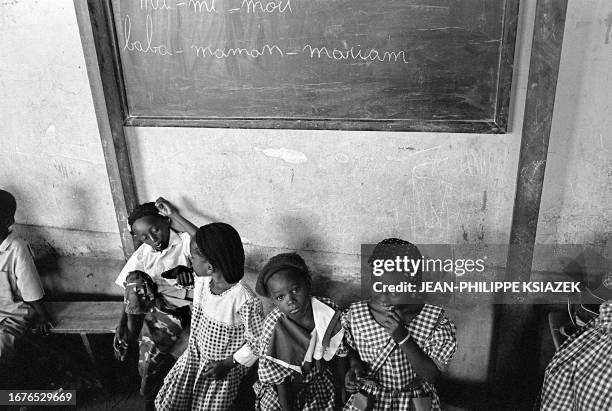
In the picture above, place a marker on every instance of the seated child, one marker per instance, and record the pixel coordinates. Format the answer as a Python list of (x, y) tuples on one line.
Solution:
[(157, 298), (299, 338), (396, 349), (225, 327), (20, 288), (579, 374)]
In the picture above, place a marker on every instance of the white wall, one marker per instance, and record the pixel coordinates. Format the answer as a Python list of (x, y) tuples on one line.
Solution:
[(50, 148)]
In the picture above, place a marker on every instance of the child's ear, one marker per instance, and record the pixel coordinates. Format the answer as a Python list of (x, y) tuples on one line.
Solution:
[(209, 268)]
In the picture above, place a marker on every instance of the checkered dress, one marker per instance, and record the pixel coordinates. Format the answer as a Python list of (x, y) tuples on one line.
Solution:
[(316, 387), (579, 376), (433, 332), (211, 340)]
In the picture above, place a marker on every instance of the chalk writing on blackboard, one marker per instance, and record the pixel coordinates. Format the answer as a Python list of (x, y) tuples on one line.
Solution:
[(136, 45), (270, 7), (439, 64), (236, 51), (351, 54), (208, 6)]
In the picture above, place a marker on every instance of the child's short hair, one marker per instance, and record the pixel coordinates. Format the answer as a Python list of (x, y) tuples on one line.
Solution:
[(8, 205), (291, 262), (143, 210), (389, 248), (221, 245)]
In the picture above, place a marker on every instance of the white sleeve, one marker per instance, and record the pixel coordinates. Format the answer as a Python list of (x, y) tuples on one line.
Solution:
[(133, 263), (186, 238)]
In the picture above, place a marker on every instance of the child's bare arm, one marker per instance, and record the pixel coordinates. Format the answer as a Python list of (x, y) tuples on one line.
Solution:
[(285, 395), (168, 210), (43, 320), (422, 365), (354, 373), (341, 365), (219, 369)]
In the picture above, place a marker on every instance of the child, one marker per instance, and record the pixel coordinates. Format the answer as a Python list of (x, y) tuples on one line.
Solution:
[(578, 376), (398, 348), (20, 288), (226, 325), (300, 335), (157, 301)]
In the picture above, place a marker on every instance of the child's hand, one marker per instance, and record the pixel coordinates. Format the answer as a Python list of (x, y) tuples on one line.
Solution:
[(43, 326), (184, 278), (395, 326), (352, 377), (120, 342), (165, 208), (218, 369)]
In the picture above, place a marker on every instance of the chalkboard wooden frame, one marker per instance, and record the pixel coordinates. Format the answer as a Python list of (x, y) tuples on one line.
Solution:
[(496, 125)]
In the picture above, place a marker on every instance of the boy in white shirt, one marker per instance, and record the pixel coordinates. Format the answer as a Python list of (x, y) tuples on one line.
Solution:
[(21, 290), (158, 281)]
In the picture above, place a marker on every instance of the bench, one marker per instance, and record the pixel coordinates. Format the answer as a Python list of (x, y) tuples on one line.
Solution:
[(85, 317)]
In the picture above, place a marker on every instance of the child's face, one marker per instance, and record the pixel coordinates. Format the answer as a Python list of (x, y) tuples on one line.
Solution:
[(153, 231), (201, 266), (290, 293)]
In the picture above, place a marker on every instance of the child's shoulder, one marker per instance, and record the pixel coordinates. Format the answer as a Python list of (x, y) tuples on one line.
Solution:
[(327, 301), (245, 292), (15, 243), (434, 317), (357, 305)]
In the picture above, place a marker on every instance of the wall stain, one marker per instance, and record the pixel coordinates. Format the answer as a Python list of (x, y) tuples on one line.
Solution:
[(484, 200), (608, 22)]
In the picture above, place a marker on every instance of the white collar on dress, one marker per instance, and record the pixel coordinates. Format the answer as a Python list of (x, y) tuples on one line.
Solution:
[(322, 314)]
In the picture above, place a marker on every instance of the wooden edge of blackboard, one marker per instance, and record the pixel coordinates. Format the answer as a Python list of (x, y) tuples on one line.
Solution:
[(441, 126), (506, 63), (92, 20)]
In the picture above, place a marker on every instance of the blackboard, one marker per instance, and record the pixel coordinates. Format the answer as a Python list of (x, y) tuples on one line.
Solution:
[(421, 65)]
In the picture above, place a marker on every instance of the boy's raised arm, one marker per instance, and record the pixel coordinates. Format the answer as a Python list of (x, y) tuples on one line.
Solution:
[(168, 210)]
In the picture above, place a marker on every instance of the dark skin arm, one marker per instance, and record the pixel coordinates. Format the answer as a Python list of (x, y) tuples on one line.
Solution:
[(424, 366), (43, 319), (168, 210), (285, 395), (341, 368), (355, 372), (219, 369), (127, 332)]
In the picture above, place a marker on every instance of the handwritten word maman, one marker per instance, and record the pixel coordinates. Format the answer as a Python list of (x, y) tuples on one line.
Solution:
[(236, 51)]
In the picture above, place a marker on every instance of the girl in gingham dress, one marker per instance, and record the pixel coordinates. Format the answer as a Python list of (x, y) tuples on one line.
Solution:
[(579, 374), (225, 327), (300, 336), (415, 341)]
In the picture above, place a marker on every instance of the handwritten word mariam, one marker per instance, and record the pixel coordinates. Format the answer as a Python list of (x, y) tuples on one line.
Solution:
[(356, 54)]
